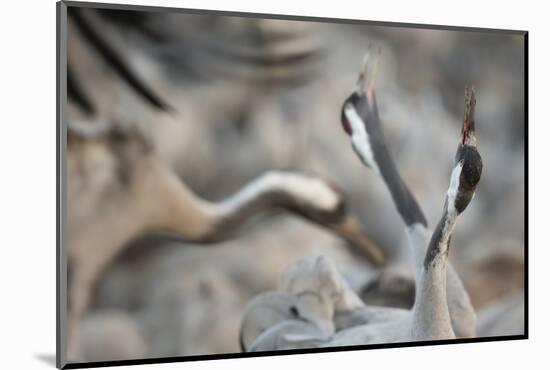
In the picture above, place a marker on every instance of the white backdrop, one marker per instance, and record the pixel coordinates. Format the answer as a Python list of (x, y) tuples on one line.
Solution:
[(27, 185)]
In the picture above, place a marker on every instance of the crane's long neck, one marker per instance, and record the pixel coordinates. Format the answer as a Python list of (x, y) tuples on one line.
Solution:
[(405, 202), (368, 142), (181, 212), (160, 201), (300, 194), (438, 247), (431, 319), (431, 311)]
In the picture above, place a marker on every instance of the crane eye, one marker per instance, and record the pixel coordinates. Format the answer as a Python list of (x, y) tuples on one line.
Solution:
[(294, 311), (465, 183)]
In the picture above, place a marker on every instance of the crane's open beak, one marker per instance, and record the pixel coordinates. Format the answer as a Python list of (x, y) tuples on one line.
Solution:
[(350, 229), (369, 72), (468, 136)]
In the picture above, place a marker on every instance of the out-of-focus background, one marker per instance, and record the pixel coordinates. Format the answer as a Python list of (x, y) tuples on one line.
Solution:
[(247, 95)]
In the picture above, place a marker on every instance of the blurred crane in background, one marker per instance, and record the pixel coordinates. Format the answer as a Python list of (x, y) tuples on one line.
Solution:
[(118, 187)]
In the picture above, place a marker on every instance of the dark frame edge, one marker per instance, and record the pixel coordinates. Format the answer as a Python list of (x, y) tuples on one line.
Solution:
[(61, 258), (162, 360), (526, 186)]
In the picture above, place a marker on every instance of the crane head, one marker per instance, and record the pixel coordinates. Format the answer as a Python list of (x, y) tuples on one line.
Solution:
[(468, 162), (359, 116)]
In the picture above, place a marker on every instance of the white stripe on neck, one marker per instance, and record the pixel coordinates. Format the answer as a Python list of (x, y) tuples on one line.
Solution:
[(360, 138), (310, 190), (453, 189)]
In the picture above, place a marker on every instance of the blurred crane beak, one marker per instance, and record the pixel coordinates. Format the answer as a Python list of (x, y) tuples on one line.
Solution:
[(468, 136), (351, 230), (369, 72)]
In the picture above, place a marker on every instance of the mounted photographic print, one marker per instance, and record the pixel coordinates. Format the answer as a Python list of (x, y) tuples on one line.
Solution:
[(236, 185)]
